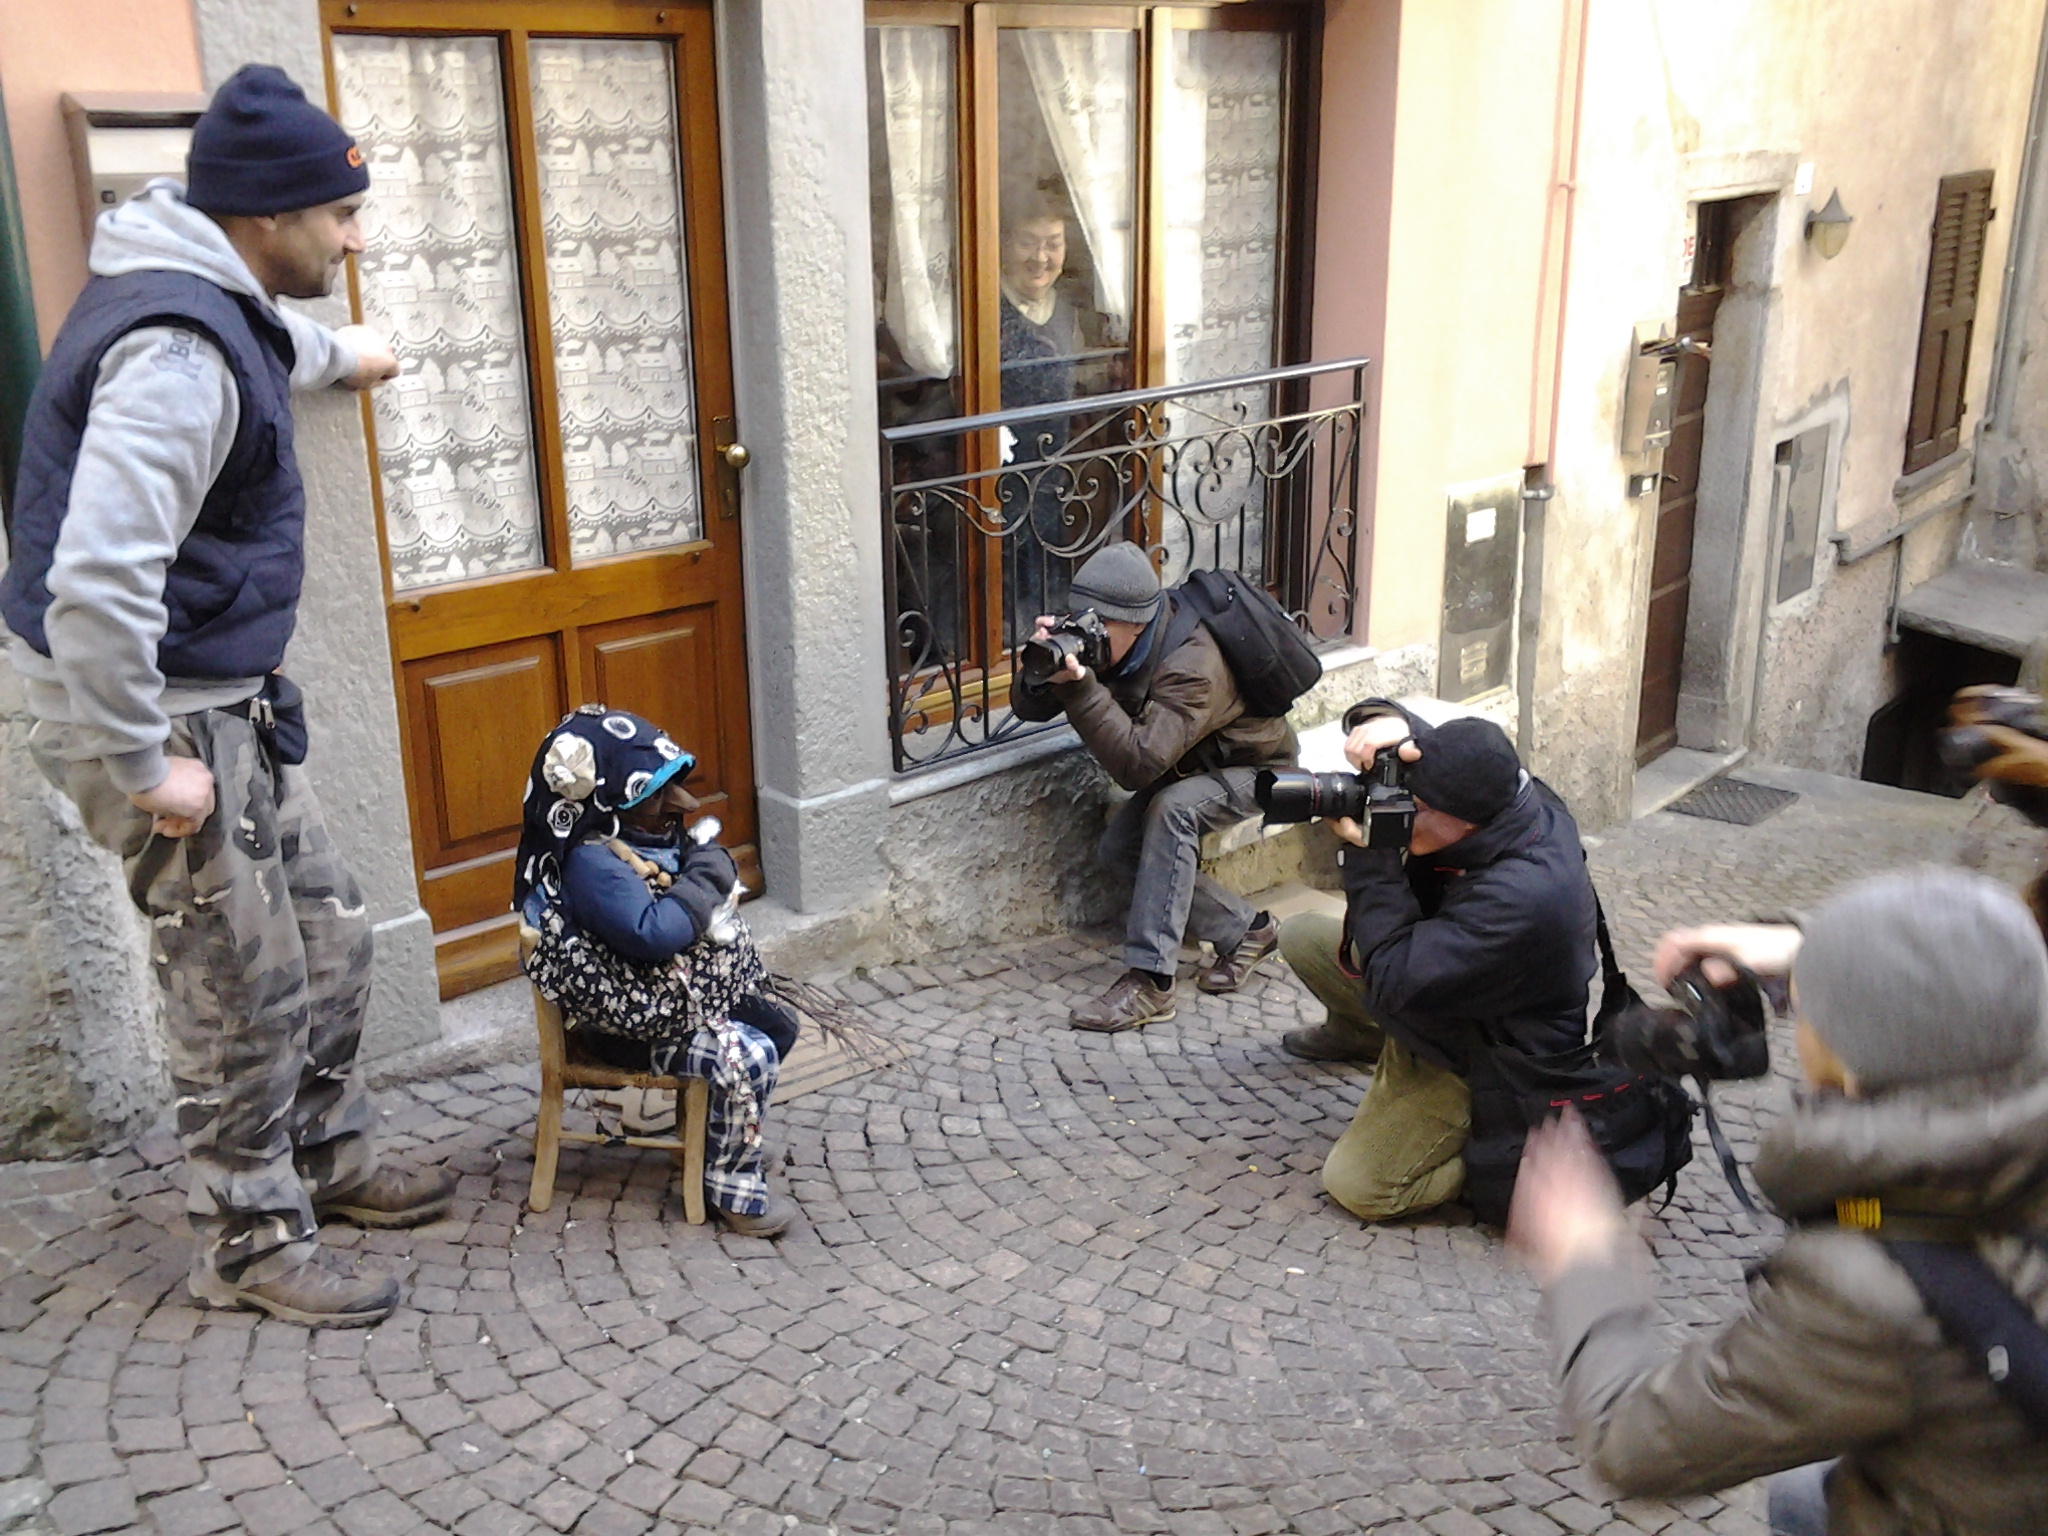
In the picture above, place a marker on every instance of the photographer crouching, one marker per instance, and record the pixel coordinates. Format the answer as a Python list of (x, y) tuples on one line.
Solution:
[(1901, 1326), (1145, 686), (1468, 931)]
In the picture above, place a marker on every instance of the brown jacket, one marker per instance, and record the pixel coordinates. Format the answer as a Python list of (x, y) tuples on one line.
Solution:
[(1178, 716), (1836, 1354)]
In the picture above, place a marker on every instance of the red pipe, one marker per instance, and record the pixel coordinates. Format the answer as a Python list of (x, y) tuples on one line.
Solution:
[(1557, 249)]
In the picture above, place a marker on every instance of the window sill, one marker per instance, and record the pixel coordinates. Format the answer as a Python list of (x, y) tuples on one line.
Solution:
[(985, 764), (1906, 487)]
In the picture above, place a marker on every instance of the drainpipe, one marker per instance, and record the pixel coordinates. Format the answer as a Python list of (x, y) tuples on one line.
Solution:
[(21, 353), (2021, 253), (1546, 385)]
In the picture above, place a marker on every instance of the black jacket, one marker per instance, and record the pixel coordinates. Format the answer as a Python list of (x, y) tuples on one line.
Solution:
[(1491, 937)]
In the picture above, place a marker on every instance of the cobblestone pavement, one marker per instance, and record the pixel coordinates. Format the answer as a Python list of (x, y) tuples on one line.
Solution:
[(1048, 1283)]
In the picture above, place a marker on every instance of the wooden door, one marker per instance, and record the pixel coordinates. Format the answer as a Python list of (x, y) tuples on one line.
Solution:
[(557, 509), (1678, 498)]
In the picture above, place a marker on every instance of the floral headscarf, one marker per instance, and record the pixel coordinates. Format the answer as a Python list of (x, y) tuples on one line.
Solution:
[(593, 765)]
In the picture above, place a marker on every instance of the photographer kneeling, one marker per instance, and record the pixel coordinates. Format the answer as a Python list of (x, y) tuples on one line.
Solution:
[(1477, 934), (1922, 1136), (1162, 713)]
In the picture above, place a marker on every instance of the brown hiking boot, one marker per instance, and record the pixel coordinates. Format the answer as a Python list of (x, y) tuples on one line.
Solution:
[(772, 1222), (1331, 1041), (313, 1295), (1226, 973), (1132, 1003), (391, 1197)]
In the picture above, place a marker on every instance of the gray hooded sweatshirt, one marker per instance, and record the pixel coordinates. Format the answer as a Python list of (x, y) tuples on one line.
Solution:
[(163, 417)]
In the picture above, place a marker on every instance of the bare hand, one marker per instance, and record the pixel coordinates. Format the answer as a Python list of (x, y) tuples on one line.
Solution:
[(1567, 1208), (179, 806), (1364, 743), (1766, 948), (375, 362), (1347, 828)]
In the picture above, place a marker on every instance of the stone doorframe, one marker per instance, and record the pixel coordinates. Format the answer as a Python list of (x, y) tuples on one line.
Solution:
[(1732, 537)]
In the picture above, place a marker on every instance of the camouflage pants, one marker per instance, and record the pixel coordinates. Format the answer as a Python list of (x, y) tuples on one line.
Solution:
[(262, 948)]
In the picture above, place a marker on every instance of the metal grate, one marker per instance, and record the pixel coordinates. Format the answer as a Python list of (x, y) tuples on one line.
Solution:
[(1733, 800)]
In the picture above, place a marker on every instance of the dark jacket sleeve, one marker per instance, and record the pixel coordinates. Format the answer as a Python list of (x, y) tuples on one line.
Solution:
[(1468, 961), (605, 900), (1182, 706), (1036, 702), (1821, 1362)]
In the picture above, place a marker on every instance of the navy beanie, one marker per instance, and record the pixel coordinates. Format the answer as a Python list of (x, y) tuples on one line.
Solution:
[(262, 148)]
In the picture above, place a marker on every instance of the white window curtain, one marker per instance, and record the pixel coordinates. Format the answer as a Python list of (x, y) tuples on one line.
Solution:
[(1083, 84), (912, 67)]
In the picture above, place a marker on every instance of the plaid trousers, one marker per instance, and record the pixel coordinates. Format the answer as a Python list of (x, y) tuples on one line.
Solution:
[(732, 1162)]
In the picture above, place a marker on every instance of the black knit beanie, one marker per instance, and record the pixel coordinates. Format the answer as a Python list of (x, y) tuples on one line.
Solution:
[(1468, 768), (262, 148)]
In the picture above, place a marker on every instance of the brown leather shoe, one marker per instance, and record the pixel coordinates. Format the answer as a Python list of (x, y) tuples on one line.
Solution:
[(772, 1222), (315, 1295), (393, 1197), (1331, 1041), (1134, 1001), (1226, 973)]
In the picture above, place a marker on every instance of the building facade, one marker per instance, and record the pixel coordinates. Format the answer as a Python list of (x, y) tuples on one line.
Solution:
[(770, 364)]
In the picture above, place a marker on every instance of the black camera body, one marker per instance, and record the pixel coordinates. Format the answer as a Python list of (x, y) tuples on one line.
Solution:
[(1378, 799), (1081, 635), (1715, 1034)]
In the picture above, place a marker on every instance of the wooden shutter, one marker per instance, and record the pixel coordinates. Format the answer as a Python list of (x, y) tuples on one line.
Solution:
[(1955, 264)]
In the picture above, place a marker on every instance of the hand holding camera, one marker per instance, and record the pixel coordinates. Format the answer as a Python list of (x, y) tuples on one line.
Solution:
[(1371, 808), (1063, 648)]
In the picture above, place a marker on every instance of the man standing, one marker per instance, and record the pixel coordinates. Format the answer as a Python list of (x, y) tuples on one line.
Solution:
[(156, 556), (1166, 720), (1478, 935)]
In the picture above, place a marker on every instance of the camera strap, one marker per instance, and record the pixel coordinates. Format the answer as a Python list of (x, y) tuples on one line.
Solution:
[(1730, 1168)]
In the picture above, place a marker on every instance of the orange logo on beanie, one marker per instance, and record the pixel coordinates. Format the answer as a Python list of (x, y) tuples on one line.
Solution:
[(355, 158)]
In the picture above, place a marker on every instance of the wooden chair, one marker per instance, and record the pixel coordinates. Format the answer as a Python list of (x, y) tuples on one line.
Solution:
[(563, 1065)]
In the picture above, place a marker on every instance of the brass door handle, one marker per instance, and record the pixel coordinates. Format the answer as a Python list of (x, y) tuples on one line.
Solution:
[(736, 455)]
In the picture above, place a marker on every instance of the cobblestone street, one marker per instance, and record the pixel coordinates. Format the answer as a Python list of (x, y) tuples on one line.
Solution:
[(1047, 1282)]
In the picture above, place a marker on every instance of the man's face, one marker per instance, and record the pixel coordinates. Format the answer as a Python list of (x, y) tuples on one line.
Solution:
[(1122, 637), (1034, 256), (303, 251), (1436, 830)]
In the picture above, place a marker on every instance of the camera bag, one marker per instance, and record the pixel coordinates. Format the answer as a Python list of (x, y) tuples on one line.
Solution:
[(1981, 1316), (1642, 1124), (1267, 653)]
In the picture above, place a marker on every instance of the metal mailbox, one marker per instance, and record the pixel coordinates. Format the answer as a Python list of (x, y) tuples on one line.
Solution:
[(123, 140)]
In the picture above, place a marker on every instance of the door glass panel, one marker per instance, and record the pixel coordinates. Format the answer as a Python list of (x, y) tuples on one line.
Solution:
[(454, 431), (1067, 131), (610, 199)]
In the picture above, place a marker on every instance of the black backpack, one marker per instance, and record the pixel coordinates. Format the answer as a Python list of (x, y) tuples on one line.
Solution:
[(1984, 1319), (1267, 653)]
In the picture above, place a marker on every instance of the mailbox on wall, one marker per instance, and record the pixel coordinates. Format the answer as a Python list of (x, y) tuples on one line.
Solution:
[(1650, 397), (123, 140)]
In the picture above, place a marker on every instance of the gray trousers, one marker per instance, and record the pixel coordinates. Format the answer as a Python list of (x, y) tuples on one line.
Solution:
[(262, 949), (1799, 1500), (1154, 841)]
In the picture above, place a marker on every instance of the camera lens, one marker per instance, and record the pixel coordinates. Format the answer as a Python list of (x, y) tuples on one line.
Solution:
[(1294, 794)]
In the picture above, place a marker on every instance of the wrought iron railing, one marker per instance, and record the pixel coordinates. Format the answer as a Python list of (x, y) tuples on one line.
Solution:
[(988, 516)]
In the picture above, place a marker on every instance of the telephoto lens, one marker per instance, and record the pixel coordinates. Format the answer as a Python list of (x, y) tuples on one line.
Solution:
[(1294, 794)]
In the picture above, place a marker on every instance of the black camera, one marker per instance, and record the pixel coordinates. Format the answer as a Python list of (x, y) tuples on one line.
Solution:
[(1714, 1033), (1997, 735), (1080, 635), (1378, 798)]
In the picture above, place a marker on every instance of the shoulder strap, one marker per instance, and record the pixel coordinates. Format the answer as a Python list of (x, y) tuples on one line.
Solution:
[(1181, 625), (1981, 1317)]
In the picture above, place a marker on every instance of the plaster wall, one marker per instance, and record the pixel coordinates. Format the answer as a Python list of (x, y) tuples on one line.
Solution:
[(47, 49), (1681, 104), (794, 111)]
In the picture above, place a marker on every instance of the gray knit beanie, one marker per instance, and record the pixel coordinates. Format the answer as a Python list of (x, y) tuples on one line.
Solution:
[(1118, 582), (1925, 975)]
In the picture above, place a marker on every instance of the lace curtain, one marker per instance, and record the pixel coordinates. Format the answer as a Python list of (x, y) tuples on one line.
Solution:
[(604, 115), (910, 76), (1083, 84), (454, 437)]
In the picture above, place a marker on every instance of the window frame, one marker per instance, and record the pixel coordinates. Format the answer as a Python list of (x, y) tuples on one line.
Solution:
[(976, 25)]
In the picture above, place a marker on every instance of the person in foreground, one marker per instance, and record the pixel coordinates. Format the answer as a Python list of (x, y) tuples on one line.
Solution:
[(156, 552), (602, 855), (1922, 1008)]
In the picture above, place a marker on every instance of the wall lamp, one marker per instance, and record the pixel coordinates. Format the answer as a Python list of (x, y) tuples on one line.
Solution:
[(1828, 230)]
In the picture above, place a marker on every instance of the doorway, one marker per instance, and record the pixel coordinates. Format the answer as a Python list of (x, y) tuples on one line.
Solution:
[(1678, 497), (557, 476)]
